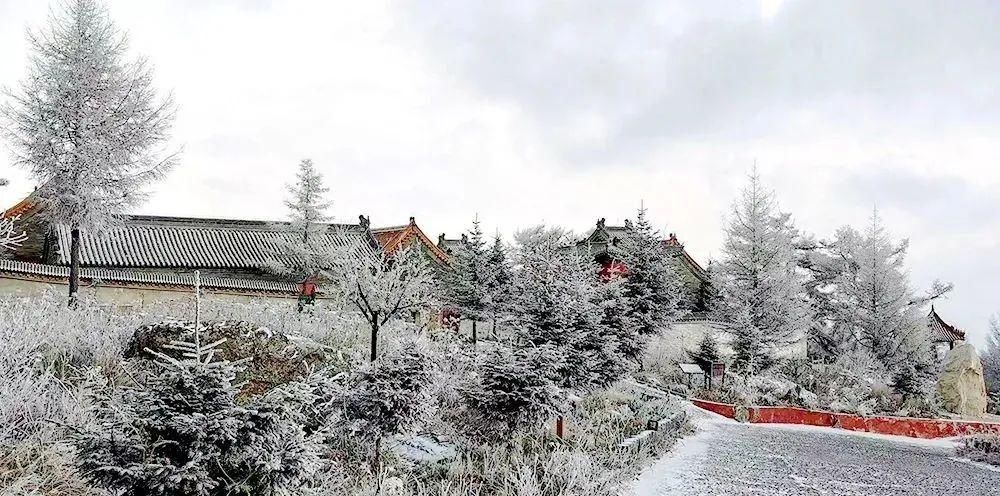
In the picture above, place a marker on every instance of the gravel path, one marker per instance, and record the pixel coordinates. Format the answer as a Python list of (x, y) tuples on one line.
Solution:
[(729, 458)]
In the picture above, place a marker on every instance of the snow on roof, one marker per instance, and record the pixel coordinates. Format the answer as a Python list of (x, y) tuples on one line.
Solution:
[(149, 241)]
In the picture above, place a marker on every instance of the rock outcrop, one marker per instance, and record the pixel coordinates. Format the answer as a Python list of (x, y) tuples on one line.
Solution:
[(274, 358), (962, 387)]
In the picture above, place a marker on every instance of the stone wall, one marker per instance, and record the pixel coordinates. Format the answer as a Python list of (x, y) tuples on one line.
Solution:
[(133, 295)]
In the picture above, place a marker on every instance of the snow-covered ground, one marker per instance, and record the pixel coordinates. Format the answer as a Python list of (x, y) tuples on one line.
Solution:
[(729, 458)]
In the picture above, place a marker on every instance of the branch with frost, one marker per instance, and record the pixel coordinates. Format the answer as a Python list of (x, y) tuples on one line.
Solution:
[(9, 236), (381, 286)]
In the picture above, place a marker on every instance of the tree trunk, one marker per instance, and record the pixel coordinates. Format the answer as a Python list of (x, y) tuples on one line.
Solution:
[(74, 266), (474, 336), (374, 322)]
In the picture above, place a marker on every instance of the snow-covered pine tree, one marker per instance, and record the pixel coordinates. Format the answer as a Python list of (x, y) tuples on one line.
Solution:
[(707, 353), (381, 286), (87, 123), (868, 300), (555, 302), (498, 287), (306, 250), (513, 388), (184, 433), (761, 291), (386, 396), (9, 236), (651, 286), (466, 280)]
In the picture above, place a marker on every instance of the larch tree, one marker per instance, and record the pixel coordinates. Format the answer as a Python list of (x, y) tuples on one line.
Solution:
[(467, 278), (868, 300), (381, 286), (761, 292), (87, 123), (307, 249), (9, 236), (991, 358)]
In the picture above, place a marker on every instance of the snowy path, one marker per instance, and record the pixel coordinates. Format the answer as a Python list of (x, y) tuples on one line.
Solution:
[(729, 458)]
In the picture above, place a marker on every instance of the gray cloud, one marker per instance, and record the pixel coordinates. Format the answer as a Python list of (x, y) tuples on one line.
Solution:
[(951, 204), (613, 76)]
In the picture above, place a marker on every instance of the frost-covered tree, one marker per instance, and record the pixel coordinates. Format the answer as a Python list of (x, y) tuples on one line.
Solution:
[(866, 299), (555, 302), (9, 236), (381, 286), (501, 276), (707, 353), (306, 251), (390, 395), (467, 278), (184, 433), (512, 388), (760, 290), (991, 358), (651, 284), (87, 123)]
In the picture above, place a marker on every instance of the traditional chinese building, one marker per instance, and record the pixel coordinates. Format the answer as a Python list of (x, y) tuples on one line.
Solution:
[(153, 258), (694, 278), (393, 238), (944, 336)]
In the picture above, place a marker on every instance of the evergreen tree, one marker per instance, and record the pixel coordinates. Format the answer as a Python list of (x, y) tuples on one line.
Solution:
[(761, 291), (706, 354), (87, 124), (468, 277), (306, 249), (390, 395), (185, 433), (513, 388), (498, 288), (556, 303), (652, 284)]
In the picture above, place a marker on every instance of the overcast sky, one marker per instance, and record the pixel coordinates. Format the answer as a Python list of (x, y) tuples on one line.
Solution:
[(565, 112)]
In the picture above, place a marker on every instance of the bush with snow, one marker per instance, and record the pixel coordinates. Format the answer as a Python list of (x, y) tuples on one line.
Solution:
[(184, 433), (513, 389), (981, 448)]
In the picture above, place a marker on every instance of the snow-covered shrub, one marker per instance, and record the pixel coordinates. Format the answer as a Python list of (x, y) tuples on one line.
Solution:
[(391, 395), (183, 433), (981, 448), (513, 388)]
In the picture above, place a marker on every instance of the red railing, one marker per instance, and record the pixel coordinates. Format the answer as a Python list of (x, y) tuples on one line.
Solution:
[(898, 426)]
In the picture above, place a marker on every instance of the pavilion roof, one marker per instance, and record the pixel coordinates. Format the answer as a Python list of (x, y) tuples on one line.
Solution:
[(941, 331)]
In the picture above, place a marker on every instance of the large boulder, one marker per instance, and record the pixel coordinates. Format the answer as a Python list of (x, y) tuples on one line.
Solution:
[(962, 387), (274, 358)]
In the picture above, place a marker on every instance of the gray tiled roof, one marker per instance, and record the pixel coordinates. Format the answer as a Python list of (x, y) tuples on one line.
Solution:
[(170, 242), (941, 331), (145, 278)]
